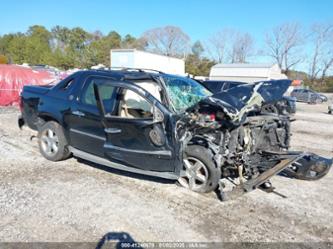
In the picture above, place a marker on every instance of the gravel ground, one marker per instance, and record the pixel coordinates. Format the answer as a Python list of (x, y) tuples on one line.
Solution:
[(76, 201)]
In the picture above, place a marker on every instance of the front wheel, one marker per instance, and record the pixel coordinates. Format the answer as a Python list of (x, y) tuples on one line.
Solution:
[(200, 173), (52, 142)]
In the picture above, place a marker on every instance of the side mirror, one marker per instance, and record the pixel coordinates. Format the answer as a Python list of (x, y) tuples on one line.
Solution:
[(158, 115)]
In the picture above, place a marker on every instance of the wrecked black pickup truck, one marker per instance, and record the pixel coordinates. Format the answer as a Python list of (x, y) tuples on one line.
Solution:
[(169, 126)]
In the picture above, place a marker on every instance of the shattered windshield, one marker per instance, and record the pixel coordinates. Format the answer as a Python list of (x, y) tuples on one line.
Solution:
[(184, 92)]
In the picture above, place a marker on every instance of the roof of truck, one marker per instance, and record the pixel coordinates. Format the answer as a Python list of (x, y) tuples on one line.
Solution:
[(121, 73)]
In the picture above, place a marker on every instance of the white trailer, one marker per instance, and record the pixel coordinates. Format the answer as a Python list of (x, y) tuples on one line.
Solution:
[(133, 58), (246, 72)]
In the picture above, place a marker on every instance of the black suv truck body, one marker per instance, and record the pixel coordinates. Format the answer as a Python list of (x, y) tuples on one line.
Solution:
[(168, 126)]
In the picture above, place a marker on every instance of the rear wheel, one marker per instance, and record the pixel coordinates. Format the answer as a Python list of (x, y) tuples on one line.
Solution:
[(200, 172), (52, 142)]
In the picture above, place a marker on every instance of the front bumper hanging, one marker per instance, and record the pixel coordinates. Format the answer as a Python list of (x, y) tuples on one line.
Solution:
[(299, 165)]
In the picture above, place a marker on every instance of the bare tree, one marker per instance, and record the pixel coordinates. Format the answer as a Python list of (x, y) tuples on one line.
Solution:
[(284, 43), (242, 48), (169, 40), (318, 42), (328, 63), (218, 45), (322, 56)]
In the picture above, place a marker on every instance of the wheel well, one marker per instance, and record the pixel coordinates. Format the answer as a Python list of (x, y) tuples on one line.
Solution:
[(199, 141), (48, 118), (42, 119)]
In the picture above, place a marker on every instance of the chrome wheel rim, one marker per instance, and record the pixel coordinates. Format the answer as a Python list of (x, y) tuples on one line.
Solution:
[(49, 142), (195, 174)]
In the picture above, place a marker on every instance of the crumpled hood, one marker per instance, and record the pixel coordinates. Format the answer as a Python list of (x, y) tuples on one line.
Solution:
[(238, 101)]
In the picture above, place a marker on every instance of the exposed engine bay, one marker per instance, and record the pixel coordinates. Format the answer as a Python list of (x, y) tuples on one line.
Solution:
[(248, 148)]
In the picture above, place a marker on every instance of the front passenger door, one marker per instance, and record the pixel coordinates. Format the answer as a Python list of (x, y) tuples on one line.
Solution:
[(86, 131), (134, 136)]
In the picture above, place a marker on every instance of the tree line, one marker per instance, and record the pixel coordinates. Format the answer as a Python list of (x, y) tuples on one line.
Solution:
[(289, 45)]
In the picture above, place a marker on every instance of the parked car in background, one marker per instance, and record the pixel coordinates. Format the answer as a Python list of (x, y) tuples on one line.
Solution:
[(283, 106), (308, 96)]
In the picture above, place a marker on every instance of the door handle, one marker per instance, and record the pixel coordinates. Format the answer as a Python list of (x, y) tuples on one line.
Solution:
[(78, 113), (112, 130)]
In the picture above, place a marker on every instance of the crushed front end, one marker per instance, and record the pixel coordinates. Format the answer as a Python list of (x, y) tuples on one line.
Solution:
[(248, 148)]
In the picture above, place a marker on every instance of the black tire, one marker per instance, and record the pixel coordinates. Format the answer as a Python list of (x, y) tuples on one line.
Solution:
[(55, 147), (204, 156)]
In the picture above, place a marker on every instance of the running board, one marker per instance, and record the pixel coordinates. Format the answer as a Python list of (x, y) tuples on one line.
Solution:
[(105, 162)]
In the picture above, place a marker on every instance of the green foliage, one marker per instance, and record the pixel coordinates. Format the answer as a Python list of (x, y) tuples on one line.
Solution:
[(319, 84), (328, 85), (98, 51), (62, 47), (66, 48), (17, 49), (32, 47), (197, 65), (197, 49)]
